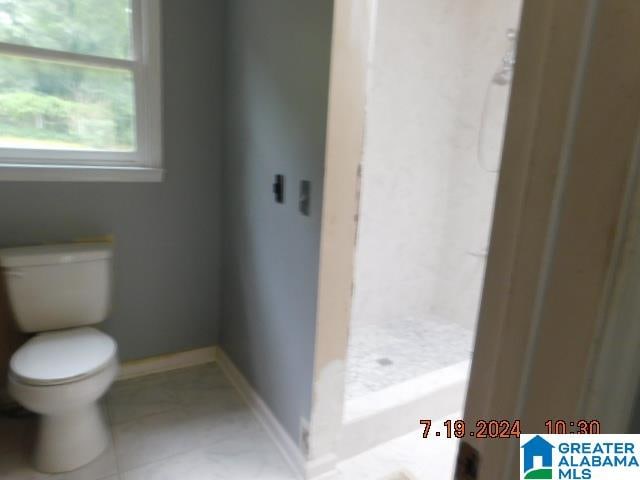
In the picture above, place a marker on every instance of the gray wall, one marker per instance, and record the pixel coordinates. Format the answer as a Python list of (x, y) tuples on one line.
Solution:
[(277, 83), (167, 271)]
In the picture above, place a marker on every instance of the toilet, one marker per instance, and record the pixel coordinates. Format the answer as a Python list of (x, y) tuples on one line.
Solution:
[(56, 292)]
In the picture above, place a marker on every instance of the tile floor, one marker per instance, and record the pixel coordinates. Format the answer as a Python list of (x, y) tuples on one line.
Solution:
[(188, 424), (384, 355), (191, 424)]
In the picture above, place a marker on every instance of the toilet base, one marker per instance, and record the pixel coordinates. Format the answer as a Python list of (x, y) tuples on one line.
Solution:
[(70, 440)]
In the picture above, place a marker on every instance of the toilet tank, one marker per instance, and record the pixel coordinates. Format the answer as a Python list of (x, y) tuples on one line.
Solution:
[(58, 286)]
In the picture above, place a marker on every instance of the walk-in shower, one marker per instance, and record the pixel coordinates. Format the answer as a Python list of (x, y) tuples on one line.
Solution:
[(436, 112)]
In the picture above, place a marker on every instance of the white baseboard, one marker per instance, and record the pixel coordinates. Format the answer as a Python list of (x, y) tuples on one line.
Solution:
[(280, 437), (379, 417), (164, 363)]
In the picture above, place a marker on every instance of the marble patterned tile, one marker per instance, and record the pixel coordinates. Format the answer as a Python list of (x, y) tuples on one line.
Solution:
[(207, 410), (193, 392), (384, 354), (103, 467), (212, 424), (203, 377), (188, 423), (249, 456), (132, 399), (135, 398), (153, 437)]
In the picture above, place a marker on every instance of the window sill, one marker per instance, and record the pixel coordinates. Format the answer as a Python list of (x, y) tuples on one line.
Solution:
[(71, 173)]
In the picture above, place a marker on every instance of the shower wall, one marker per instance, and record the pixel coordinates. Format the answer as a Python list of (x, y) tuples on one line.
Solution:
[(426, 202)]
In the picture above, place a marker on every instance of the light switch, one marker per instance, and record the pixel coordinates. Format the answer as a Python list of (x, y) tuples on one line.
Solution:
[(304, 200)]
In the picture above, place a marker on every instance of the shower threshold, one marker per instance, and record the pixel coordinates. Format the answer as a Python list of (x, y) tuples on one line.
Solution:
[(378, 417)]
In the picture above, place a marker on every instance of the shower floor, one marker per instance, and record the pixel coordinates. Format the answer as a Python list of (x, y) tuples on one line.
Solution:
[(381, 356)]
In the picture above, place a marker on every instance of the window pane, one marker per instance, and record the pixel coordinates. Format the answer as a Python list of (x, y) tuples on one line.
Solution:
[(95, 27), (57, 106)]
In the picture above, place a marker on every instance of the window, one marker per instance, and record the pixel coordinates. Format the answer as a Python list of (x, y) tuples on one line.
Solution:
[(80, 90)]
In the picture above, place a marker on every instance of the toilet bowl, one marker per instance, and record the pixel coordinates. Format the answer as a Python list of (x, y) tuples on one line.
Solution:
[(61, 375), (67, 366)]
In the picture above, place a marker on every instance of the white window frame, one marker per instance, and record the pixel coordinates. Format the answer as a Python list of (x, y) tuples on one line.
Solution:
[(145, 163)]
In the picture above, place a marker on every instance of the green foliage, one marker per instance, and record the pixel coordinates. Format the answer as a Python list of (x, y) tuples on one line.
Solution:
[(38, 116), (41, 99), (97, 27), (28, 105)]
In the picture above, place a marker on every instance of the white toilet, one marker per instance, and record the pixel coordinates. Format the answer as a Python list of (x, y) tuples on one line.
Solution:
[(55, 291)]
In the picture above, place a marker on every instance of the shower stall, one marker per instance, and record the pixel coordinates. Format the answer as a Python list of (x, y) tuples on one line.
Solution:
[(439, 83)]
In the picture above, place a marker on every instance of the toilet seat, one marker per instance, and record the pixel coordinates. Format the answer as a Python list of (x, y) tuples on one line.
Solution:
[(64, 356)]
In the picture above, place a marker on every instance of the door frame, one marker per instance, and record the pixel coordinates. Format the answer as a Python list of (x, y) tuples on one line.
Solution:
[(552, 271), (353, 24), (561, 264)]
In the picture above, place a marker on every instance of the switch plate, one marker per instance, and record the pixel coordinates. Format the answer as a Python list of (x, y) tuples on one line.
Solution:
[(304, 199), (278, 188)]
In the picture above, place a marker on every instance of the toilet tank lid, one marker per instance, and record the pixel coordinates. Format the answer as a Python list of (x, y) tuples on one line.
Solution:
[(53, 254)]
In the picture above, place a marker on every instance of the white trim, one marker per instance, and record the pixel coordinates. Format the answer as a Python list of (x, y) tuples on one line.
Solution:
[(577, 234), (82, 59), (290, 451), (350, 49), (609, 395), (148, 77), (165, 363), (417, 389), (36, 156), (33, 164), (77, 173), (557, 202), (395, 411)]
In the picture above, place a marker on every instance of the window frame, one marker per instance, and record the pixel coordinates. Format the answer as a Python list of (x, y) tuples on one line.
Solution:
[(142, 164)]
